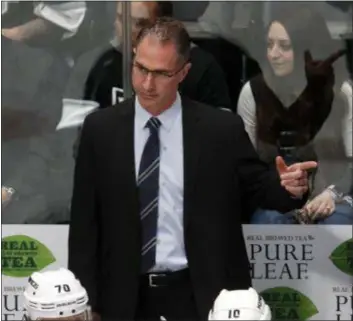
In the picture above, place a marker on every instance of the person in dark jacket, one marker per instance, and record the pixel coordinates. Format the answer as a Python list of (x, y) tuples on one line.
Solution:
[(159, 188)]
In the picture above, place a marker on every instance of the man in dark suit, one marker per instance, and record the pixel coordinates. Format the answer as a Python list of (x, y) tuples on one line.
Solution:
[(158, 190)]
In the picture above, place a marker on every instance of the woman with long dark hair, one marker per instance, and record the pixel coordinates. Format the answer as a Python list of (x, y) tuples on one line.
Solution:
[(299, 108)]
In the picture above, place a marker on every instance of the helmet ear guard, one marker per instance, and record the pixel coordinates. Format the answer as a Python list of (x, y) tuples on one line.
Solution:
[(88, 314)]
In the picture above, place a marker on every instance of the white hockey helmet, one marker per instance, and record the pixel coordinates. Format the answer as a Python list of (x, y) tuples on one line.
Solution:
[(240, 305), (55, 295)]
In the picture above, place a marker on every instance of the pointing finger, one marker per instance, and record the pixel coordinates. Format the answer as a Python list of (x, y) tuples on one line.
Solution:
[(307, 165)]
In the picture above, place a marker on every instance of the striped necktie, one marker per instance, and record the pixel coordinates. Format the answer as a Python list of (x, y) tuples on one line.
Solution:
[(148, 188)]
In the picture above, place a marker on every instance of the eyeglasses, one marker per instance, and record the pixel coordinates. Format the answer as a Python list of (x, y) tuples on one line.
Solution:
[(156, 74)]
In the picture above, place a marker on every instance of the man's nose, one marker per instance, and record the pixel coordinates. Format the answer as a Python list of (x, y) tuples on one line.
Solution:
[(148, 82)]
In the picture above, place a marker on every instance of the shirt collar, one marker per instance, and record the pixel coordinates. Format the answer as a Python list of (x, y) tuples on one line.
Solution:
[(167, 118)]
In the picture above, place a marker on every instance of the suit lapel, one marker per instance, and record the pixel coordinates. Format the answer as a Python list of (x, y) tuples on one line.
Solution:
[(125, 153), (191, 135)]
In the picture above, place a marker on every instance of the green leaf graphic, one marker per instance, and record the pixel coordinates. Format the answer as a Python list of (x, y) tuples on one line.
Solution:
[(342, 257), (22, 255), (289, 304)]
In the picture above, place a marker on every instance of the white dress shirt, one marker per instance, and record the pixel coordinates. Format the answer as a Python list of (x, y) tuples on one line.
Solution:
[(170, 251)]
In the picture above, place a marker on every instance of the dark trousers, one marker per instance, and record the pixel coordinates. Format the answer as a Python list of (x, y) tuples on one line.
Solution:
[(172, 300)]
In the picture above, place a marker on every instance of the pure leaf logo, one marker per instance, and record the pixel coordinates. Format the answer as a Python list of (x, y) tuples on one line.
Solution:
[(22, 255), (289, 304), (342, 257)]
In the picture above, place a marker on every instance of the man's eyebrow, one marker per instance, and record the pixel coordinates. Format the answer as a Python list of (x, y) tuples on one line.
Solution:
[(154, 70)]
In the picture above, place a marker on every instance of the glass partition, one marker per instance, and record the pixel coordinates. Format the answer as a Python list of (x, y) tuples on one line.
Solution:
[(62, 60)]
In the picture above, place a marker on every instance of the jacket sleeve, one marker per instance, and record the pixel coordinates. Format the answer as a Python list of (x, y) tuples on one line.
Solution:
[(84, 225), (260, 183)]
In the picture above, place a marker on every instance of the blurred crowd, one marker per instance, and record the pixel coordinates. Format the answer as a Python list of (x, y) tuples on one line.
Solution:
[(284, 67)]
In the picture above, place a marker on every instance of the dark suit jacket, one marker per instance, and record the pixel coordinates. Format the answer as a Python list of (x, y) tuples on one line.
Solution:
[(221, 171)]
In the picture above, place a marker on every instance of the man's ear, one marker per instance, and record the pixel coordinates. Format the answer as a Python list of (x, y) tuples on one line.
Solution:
[(185, 71), (134, 50), (188, 67)]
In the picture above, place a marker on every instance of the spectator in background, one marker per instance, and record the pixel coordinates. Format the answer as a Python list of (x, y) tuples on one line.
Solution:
[(65, 27), (299, 109), (47, 27), (205, 82), (38, 55), (41, 23), (61, 30)]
